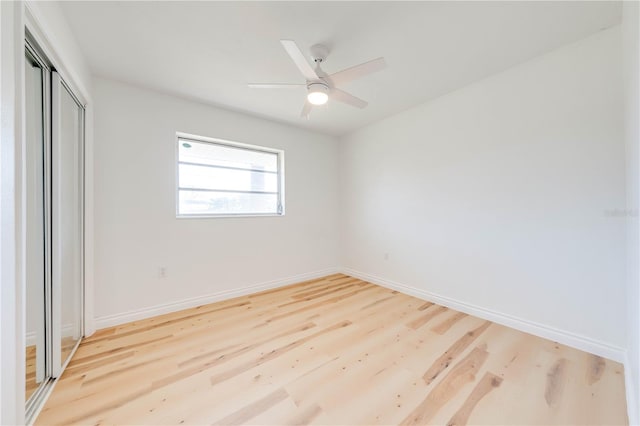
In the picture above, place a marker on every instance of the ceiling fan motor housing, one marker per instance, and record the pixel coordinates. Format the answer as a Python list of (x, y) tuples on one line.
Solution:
[(319, 52), (318, 87)]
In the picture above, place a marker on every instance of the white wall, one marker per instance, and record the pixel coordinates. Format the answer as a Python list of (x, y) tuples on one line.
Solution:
[(631, 46), (136, 228), (503, 195), (12, 273)]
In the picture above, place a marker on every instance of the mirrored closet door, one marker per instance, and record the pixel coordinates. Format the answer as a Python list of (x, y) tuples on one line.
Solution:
[(36, 229), (55, 229), (67, 214)]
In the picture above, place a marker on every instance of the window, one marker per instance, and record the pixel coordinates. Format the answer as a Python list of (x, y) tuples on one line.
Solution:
[(221, 178)]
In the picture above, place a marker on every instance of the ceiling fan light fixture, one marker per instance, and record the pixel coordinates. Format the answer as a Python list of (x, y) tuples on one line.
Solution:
[(318, 93)]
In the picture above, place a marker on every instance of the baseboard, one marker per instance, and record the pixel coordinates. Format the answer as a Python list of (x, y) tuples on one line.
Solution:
[(561, 336), (151, 311), (30, 338)]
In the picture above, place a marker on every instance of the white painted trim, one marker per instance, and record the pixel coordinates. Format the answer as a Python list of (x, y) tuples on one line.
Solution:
[(89, 239), (52, 46), (12, 214), (138, 314), (632, 398), (573, 340), (30, 338), (56, 224)]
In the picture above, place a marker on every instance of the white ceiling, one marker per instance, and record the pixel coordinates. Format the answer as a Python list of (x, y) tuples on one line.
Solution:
[(209, 51)]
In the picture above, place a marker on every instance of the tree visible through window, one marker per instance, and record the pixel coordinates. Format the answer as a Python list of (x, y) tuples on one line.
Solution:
[(221, 178)]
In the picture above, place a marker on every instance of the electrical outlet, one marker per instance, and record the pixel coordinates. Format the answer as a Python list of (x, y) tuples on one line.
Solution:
[(162, 272), (386, 256)]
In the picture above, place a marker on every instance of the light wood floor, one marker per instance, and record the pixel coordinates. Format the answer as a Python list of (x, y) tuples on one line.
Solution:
[(30, 371), (331, 351)]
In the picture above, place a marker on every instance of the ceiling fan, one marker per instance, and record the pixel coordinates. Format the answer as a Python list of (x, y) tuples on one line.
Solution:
[(321, 86)]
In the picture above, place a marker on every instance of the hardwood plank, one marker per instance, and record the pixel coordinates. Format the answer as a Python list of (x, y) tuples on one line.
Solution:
[(30, 371), (432, 312), (486, 385), (250, 411), (453, 352), (556, 378), (462, 373), (596, 369), (445, 325)]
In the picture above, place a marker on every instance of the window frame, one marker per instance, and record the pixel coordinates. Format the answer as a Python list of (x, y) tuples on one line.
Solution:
[(236, 145)]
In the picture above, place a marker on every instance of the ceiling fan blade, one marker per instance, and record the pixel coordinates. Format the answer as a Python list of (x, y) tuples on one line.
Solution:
[(357, 71), (344, 97), (275, 86), (298, 58), (306, 109)]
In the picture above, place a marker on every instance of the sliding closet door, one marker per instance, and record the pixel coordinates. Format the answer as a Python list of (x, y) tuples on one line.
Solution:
[(36, 181), (67, 219)]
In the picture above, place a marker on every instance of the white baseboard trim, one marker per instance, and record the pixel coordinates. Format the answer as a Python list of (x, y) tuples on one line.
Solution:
[(151, 311), (561, 336), (67, 330), (30, 338)]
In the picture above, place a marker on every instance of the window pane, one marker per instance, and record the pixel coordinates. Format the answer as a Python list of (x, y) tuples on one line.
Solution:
[(221, 178), (226, 179), (205, 202), (218, 155)]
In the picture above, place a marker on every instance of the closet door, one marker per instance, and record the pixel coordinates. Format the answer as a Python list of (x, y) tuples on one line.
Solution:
[(36, 226), (67, 221)]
